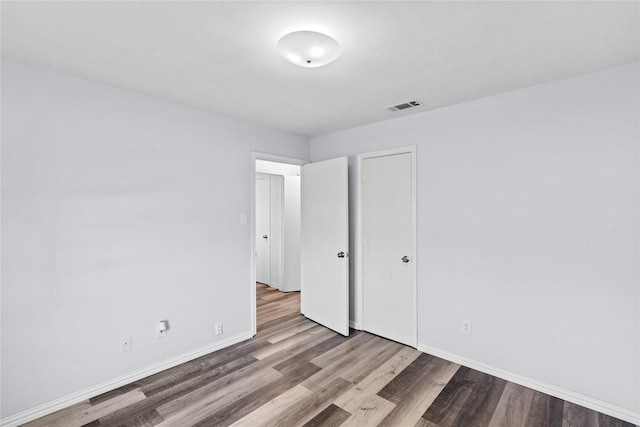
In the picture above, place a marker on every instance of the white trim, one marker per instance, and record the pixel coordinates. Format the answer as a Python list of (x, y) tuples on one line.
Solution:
[(359, 274), (561, 393), (252, 285), (77, 397)]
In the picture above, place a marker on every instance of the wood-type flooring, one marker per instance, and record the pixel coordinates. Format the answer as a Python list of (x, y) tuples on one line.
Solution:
[(295, 372)]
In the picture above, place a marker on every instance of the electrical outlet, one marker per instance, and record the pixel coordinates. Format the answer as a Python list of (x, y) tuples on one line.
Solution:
[(161, 329), (218, 328), (466, 327), (125, 344)]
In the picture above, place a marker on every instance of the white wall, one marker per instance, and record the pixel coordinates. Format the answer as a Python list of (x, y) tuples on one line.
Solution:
[(291, 234), (118, 210), (275, 168), (528, 211)]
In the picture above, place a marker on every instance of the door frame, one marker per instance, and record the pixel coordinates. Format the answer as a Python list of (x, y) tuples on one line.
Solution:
[(358, 321), (255, 155)]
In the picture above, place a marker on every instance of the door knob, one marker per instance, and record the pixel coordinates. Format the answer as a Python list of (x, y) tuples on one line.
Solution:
[(340, 254), (265, 237), (405, 259)]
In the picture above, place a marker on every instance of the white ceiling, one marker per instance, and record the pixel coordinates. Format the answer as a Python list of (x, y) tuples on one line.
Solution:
[(221, 56)]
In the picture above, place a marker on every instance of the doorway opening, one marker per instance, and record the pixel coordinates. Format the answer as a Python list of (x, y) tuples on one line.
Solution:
[(277, 219), (275, 213)]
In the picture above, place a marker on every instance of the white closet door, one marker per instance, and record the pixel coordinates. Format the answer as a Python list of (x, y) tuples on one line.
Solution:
[(262, 230), (387, 230)]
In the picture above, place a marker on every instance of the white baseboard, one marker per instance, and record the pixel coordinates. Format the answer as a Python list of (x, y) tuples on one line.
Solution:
[(355, 325), (561, 393), (72, 399)]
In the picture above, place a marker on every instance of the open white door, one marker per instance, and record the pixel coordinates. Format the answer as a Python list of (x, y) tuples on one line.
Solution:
[(262, 254), (324, 296)]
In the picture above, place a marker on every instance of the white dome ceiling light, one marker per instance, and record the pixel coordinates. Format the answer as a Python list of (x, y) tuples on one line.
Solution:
[(308, 48)]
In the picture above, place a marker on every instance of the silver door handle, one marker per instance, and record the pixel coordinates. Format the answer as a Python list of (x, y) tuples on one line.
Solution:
[(405, 259), (340, 254), (265, 237)]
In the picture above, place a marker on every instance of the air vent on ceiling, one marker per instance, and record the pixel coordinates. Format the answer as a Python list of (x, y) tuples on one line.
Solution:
[(405, 106)]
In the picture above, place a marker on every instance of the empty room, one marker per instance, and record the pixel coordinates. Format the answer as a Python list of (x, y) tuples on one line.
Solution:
[(320, 213)]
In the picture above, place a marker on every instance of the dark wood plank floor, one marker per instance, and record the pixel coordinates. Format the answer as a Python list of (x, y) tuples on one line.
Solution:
[(297, 373)]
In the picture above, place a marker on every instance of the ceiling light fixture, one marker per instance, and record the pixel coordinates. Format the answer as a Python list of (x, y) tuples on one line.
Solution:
[(308, 48)]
